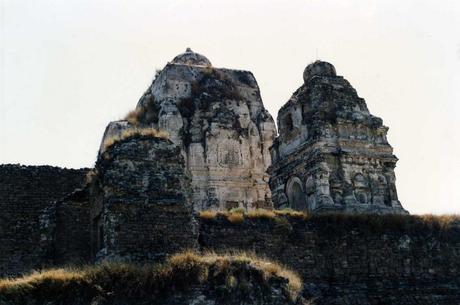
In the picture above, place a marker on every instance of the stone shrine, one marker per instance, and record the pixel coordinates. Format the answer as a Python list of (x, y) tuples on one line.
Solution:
[(218, 119), (331, 154)]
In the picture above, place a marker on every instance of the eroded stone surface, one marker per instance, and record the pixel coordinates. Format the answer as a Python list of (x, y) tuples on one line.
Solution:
[(217, 118), (141, 207), (332, 154)]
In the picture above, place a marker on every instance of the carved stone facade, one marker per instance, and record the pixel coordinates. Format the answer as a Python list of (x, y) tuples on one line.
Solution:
[(332, 155), (217, 118)]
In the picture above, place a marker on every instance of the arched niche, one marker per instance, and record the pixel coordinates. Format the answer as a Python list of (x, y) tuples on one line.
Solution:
[(288, 123), (295, 193), (310, 190), (361, 189)]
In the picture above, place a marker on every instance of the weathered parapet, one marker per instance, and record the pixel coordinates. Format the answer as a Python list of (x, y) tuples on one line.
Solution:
[(141, 207), (332, 155), (358, 259), (25, 191), (218, 119)]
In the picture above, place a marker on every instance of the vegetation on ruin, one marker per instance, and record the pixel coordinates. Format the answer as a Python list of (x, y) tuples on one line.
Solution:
[(416, 224), (91, 175), (238, 215), (134, 116), (143, 114), (335, 222), (148, 282), (134, 132)]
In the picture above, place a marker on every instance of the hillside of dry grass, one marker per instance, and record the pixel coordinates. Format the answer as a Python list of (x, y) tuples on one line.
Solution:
[(225, 279)]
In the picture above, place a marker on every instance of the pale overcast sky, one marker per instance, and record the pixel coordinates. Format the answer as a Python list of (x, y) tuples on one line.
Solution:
[(69, 67)]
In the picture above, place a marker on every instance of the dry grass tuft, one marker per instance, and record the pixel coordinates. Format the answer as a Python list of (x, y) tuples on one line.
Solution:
[(208, 215), (262, 213), (235, 217), (237, 210), (441, 221), (90, 176), (135, 132), (208, 70), (291, 213), (134, 116)]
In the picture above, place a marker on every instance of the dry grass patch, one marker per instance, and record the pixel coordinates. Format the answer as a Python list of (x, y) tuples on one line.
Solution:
[(238, 210), (135, 132), (235, 217), (125, 281), (208, 214), (238, 215), (90, 176), (225, 264), (262, 213), (440, 221), (134, 116), (53, 277), (291, 213), (444, 226)]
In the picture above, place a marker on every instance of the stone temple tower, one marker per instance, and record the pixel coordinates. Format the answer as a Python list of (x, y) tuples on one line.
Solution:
[(217, 118), (331, 154)]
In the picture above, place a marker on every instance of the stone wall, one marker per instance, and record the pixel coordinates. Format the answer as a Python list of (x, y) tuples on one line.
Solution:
[(352, 260), (141, 208), (70, 236), (25, 191)]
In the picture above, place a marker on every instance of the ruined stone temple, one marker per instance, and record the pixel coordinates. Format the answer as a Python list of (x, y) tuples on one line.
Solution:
[(200, 139), (331, 154), (218, 119)]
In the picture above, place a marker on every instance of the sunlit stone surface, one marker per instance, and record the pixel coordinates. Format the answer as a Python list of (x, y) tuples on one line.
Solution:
[(218, 119)]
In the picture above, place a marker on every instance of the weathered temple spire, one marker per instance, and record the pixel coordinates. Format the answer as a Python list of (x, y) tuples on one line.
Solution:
[(332, 155)]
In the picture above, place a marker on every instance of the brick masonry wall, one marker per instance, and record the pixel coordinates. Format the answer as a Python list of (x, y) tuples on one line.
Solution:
[(352, 262), (24, 192), (72, 230)]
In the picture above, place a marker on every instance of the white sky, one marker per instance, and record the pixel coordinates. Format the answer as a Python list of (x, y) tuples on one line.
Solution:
[(69, 67)]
